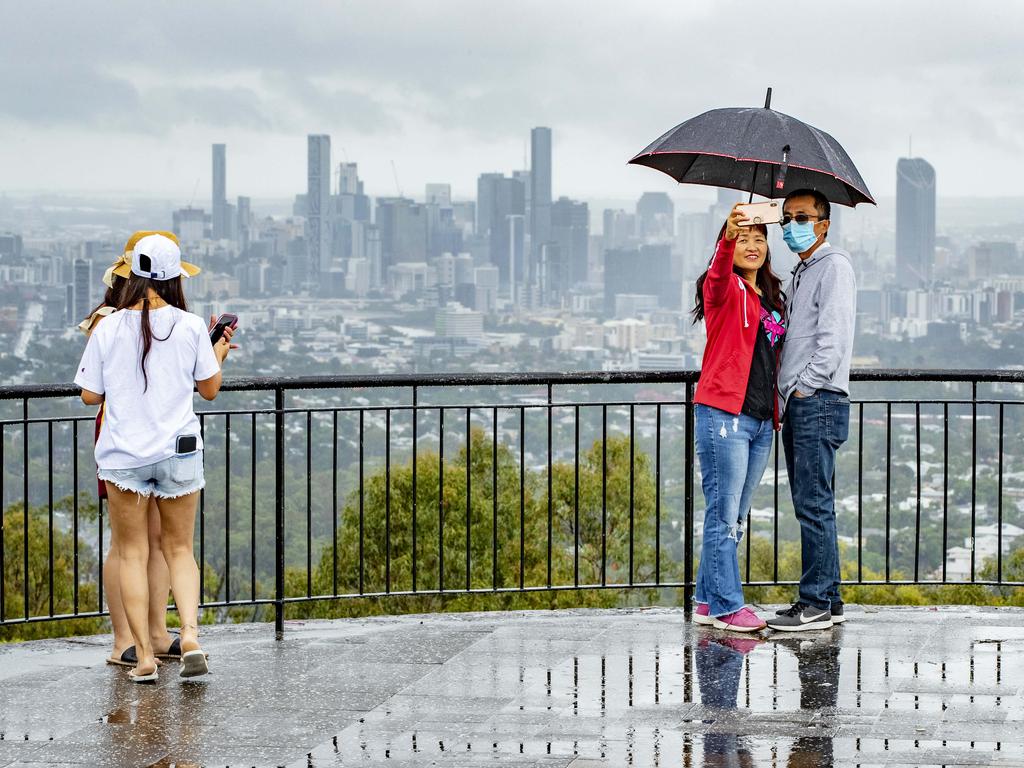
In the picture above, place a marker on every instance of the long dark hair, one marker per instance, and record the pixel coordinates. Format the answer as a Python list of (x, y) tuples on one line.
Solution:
[(111, 296), (770, 285), (137, 290)]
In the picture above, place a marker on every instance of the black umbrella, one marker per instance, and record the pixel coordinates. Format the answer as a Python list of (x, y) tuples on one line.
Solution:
[(760, 151)]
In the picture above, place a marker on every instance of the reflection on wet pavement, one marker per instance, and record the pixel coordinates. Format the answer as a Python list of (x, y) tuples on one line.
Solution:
[(579, 688)]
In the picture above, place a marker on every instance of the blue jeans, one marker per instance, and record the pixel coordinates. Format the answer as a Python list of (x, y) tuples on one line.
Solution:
[(733, 452), (814, 429), (719, 667)]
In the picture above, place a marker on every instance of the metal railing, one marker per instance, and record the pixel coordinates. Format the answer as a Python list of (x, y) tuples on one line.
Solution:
[(544, 483)]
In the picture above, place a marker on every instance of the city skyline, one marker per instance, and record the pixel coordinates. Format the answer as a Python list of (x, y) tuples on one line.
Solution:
[(86, 107)]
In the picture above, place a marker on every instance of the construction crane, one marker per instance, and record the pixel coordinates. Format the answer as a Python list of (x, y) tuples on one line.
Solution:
[(398, 186)]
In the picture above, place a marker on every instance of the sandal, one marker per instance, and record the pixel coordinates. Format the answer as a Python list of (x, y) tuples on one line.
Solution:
[(126, 659), (173, 652), (150, 677), (193, 664)]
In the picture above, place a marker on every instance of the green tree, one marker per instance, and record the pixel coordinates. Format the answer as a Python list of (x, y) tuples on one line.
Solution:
[(521, 554), (38, 576)]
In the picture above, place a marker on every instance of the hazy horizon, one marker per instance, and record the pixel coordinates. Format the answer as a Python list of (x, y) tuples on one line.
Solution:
[(97, 95)]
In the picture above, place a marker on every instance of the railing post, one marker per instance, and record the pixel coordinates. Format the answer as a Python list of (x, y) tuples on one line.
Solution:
[(279, 459), (688, 507)]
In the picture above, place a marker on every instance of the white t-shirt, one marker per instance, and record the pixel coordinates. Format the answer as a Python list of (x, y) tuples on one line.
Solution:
[(140, 426)]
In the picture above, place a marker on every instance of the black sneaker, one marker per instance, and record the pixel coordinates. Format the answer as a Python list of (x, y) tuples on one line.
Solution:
[(837, 613), (800, 617), (797, 606)]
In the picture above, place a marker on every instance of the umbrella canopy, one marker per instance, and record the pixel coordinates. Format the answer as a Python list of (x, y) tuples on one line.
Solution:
[(757, 150)]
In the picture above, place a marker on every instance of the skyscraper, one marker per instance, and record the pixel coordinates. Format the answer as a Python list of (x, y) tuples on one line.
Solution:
[(570, 228), (516, 255), (655, 215), (82, 289), (915, 222), (540, 188), (403, 231), (643, 270), (221, 226), (486, 189), (353, 204), (244, 217), (318, 207)]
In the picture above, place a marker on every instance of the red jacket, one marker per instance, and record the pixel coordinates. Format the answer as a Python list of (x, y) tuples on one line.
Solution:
[(732, 317)]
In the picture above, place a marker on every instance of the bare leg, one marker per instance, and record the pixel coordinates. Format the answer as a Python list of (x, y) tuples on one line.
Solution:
[(159, 583), (130, 523), (177, 519), (112, 587)]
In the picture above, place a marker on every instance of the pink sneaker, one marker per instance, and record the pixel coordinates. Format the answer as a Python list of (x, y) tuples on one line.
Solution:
[(744, 620), (700, 616)]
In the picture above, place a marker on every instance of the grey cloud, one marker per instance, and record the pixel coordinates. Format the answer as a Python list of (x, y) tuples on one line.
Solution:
[(50, 96), (227, 107), (869, 73)]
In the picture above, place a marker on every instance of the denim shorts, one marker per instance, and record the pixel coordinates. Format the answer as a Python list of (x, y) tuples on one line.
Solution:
[(177, 476)]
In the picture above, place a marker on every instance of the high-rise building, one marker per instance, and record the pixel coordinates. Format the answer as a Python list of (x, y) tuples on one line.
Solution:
[(619, 228), (83, 302), (403, 231), (694, 242), (486, 191), (244, 219), (10, 246), (643, 270), (221, 226), (915, 221), (655, 214), (438, 194), (348, 179), (517, 267), (455, 320), (570, 228), (189, 224), (375, 256), (540, 188), (487, 279), (498, 198), (318, 207), (353, 203)]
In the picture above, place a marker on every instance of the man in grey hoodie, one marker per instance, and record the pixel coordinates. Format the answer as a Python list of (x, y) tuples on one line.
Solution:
[(814, 389)]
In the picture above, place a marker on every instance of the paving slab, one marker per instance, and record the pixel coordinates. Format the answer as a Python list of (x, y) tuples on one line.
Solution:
[(580, 688)]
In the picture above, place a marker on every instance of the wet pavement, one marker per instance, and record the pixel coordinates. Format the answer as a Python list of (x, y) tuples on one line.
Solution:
[(563, 688)]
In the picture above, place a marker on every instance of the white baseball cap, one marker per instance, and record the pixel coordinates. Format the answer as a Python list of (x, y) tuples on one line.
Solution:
[(159, 258)]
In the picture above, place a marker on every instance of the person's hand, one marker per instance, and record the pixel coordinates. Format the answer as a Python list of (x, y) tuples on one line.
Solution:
[(224, 345), (732, 224)]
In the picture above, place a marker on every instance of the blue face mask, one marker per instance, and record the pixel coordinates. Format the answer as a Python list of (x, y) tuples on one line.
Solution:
[(799, 237)]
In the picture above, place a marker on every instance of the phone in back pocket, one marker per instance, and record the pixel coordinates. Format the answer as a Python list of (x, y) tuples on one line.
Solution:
[(186, 444)]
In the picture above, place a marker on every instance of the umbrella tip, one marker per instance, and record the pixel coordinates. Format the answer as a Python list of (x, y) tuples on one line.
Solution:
[(768, 99)]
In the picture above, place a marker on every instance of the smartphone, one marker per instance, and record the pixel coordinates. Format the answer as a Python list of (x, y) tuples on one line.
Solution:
[(227, 320), (760, 213), (186, 444)]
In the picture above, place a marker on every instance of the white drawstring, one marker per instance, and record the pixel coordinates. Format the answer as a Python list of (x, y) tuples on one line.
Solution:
[(739, 280)]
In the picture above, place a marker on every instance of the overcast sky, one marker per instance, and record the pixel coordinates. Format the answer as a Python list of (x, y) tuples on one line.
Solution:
[(116, 96)]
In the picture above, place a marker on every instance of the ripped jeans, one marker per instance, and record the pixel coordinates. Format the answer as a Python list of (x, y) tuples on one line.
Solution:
[(733, 452)]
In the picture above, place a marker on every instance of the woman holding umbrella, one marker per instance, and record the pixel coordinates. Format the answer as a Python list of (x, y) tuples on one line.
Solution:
[(741, 302)]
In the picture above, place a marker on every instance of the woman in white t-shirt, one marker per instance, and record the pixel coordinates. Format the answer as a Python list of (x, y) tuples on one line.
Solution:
[(142, 362), (167, 648)]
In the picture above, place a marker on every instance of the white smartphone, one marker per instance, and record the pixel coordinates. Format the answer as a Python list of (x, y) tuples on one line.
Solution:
[(760, 213)]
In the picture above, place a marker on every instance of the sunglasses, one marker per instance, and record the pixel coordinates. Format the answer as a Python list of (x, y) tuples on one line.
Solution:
[(800, 218)]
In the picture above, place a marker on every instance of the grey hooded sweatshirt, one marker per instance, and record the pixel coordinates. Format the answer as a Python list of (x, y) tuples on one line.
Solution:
[(821, 307)]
